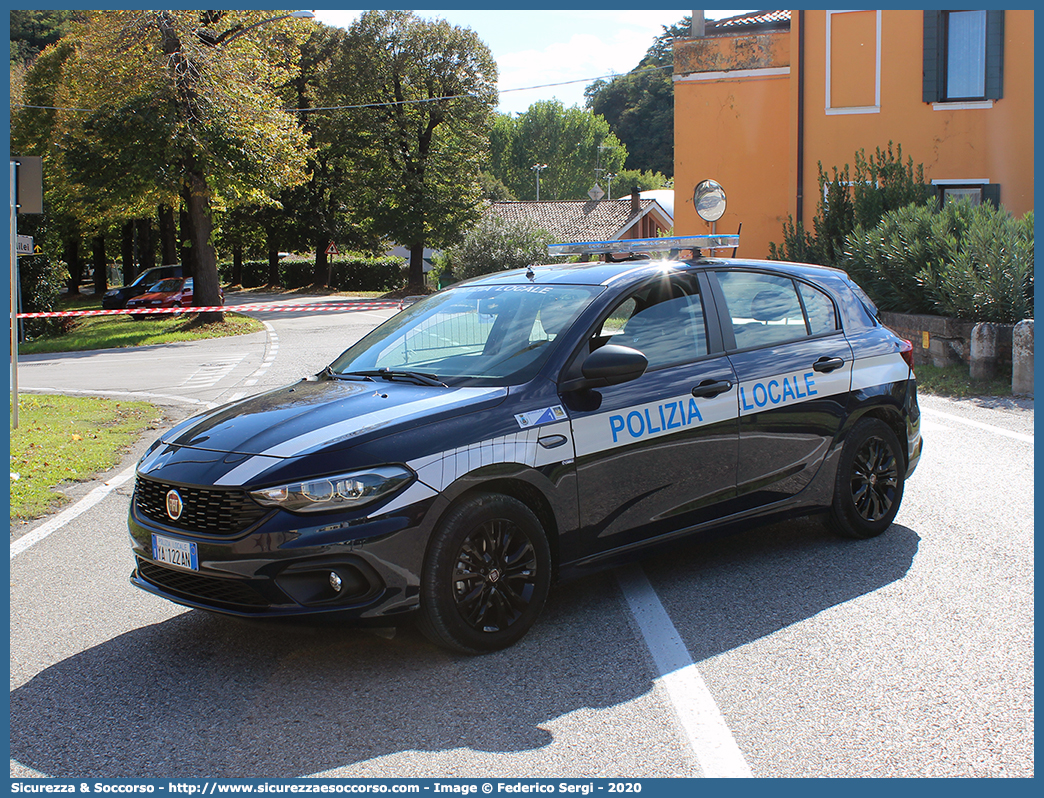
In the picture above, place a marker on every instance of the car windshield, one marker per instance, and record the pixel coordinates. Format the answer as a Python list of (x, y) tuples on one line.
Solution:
[(166, 286), (149, 277), (492, 334)]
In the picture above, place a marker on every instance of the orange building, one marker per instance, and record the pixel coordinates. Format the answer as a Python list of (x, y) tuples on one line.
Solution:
[(760, 100)]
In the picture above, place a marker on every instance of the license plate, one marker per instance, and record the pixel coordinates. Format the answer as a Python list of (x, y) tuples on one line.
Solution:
[(179, 553)]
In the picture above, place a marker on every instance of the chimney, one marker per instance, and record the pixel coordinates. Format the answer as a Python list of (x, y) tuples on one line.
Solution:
[(636, 200), (699, 25)]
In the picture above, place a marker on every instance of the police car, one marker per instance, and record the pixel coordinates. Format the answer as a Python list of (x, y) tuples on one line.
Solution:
[(528, 426)]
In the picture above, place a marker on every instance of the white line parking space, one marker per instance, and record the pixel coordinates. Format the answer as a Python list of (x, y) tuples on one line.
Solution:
[(994, 430), (70, 513), (711, 740)]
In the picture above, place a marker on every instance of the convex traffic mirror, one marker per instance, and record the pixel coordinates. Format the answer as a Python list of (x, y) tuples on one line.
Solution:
[(709, 199)]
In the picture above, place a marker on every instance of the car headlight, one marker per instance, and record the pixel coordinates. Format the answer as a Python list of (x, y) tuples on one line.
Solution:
[(114, 292), (341, 492)]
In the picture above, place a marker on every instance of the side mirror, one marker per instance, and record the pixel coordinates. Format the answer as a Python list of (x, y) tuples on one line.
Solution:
[(609, 365)]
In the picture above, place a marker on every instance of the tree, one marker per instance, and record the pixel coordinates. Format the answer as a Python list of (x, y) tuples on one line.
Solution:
[(577, 146), (423, 95), (32, 31), (639, 106), (179, 106)]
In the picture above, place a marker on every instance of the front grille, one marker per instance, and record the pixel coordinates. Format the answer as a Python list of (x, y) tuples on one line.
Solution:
[(204, 589), (209, 511)]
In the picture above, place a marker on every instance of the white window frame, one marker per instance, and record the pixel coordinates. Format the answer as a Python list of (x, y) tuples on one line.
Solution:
[(868, 109)]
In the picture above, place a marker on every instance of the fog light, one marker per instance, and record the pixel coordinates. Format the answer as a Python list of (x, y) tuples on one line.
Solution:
[(335, 581)]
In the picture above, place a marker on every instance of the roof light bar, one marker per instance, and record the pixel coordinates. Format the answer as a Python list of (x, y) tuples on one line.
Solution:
[(627, 246)]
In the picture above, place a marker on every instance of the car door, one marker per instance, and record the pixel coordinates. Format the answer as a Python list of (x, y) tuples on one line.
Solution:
[(794, 368), (656, 454)]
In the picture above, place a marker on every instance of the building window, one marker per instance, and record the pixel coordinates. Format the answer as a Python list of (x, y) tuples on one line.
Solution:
[(978, 191), (963, 56)]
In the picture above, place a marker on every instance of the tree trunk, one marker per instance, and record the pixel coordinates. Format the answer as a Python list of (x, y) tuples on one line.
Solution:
[(321, 275), (417, 265), (188, 257), (127, 253), (273, 261), (168, 233), (146, 244), (200, 226), (237, 264), (72, 258), (101, 274)]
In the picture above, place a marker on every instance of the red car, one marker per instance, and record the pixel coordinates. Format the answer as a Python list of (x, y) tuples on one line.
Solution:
[(174, 292)]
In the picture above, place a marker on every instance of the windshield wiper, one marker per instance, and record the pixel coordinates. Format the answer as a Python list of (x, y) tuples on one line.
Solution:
[(329, 374), (391, 374)]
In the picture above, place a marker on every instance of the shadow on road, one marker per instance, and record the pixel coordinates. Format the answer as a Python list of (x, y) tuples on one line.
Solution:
[(205, 696)]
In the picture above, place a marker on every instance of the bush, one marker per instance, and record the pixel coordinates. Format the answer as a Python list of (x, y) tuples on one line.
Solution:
[(496, 245), (846, 201), (991, 277), (963, 261), (41, 280)]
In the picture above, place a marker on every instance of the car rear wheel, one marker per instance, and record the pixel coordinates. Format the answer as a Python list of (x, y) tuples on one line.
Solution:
[(869, 484), (486, 575)]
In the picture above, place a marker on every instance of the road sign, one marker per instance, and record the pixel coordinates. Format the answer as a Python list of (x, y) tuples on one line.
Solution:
[(24, 245), (332, 249)]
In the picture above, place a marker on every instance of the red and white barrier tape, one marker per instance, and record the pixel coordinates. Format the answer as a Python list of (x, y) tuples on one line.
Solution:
[(348, 307)]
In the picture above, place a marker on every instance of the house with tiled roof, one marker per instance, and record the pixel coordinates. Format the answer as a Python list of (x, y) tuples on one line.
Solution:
[(632, 216)]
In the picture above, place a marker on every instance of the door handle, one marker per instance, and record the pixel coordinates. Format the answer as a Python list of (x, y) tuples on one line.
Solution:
[(828, 364), (710, 388)]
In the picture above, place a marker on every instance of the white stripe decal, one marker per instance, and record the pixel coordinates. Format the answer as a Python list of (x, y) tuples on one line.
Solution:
[(246, 471), (793, 388), (523, 447), (619, 427), (879, 370), (351, 427), (416, 492)]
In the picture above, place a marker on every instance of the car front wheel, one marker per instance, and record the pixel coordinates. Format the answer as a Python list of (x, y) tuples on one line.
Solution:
[(869, 484), (486, 575)]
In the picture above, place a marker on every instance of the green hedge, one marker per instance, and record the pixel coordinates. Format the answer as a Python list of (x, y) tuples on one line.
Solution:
[(963, 261), (354, 273)]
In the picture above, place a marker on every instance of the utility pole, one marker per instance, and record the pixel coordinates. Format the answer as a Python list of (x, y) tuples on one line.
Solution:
[(538, 168)]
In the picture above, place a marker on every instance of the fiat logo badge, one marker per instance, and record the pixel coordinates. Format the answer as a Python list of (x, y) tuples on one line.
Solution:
[(174, 505)]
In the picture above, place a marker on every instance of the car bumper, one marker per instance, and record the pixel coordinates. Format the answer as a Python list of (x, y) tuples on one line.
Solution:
[(278, 568)]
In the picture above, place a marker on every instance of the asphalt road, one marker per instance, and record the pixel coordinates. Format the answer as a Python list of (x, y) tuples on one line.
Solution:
[(779, 652)]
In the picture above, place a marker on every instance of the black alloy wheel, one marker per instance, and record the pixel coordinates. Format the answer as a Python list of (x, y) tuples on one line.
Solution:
[(869, 484), (494, 579), (486, 575)]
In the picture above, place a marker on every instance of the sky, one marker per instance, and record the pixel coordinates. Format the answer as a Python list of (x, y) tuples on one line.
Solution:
[(539, 47)]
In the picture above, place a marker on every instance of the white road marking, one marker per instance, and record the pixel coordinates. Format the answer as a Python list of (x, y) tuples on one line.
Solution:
[(211, 374), (711, 740), (1018, 436), (67, 515)]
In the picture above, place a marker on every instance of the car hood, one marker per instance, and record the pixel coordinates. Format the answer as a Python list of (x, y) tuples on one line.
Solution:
[(331, 414)]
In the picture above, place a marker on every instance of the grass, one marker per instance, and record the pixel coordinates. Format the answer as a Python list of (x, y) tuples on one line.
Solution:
[(62, 439), (955, 381), (110, 332)]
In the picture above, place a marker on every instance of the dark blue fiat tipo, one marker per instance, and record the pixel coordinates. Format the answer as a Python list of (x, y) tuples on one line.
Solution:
[(531, 425)]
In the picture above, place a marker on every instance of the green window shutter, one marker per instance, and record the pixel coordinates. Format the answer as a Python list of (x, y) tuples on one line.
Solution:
[(994, 55), (934, 56), (991, 194)]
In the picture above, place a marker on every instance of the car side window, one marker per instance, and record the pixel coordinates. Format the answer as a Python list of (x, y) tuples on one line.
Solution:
[(820, 309), (664, 321), (765, 308)]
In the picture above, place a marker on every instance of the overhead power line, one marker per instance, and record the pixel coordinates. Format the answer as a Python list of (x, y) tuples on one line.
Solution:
[(390, 104)]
